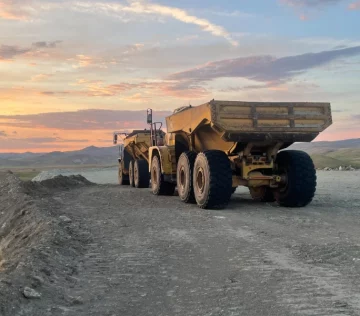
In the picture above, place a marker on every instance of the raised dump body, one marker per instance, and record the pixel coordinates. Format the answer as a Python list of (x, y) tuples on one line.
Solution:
[(212, 148), (220, 124)]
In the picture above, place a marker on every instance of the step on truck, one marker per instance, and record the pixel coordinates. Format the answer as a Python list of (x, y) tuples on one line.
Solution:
[(213, 148), (134, 155)]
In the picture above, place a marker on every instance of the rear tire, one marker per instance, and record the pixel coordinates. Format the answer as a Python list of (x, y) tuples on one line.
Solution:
[(301, 178), (184, 176), (123, 178), (131, 173), (212, 179), (262, 194), (158, 185), (141, 174)]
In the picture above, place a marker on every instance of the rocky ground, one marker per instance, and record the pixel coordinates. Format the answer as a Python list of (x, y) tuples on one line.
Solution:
[(70, 247)]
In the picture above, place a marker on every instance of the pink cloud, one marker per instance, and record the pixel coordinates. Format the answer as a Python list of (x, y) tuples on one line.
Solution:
[(16, 9), (355, 5)]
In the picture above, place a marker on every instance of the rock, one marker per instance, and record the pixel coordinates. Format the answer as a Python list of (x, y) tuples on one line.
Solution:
[(340, 304), (37, 281), (76, 300), (327, 169), (7, 282), (31, 293), (65, 219), (340, 168)]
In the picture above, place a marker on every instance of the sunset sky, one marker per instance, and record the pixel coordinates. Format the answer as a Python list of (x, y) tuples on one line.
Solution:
[(72, 72)]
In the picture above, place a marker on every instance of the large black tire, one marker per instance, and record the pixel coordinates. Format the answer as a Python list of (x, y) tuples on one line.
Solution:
[(158, 185), (184, 176), (262, 194), (123, 178), (131, 173), (212, 179), (141, 174), (300, 172)]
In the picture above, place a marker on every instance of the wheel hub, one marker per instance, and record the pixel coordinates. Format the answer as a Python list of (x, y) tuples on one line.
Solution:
[(182, 178), (154, 176), (135, 173), (200, 179)]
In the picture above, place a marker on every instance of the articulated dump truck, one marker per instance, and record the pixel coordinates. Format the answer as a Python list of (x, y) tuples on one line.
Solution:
[(134, 155), (213, 148)]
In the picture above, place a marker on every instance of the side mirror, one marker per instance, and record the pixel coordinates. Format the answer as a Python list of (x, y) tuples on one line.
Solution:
[(115, 139), (149, 116)]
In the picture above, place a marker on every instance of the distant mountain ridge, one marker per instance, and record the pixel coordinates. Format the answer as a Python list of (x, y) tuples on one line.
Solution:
[(88, 156), (333, 154), (325, 154)]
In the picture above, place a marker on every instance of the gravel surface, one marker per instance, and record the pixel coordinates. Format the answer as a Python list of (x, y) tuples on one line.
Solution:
[(149, 255)]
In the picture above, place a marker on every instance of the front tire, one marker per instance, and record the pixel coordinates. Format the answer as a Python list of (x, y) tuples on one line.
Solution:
[(300, 173), (212, 179), (141, 174), (123, 178), (158, 185), (184, 176)]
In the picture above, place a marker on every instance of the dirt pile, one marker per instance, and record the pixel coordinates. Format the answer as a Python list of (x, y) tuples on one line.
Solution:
[(57, 182), (39, 246)]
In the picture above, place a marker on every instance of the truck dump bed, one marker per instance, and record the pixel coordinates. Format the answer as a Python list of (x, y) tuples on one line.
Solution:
[(237, 121), (137, 143)]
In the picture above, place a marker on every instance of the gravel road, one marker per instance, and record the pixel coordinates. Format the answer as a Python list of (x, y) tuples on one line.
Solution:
[(153, 255)]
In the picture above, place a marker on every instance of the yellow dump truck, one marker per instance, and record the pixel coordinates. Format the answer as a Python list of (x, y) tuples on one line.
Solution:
[(133, 156), (213, 148)]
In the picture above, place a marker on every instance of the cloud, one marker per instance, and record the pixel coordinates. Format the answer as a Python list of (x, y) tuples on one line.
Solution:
[(3, 134), (131, 49), (183, 89), (143, 8), (16, 9), (309, 3), (46, 44), (308, 6), (92, 88), (84, 61), (354, 5), (187, 38), (40, 77), (264, 68), (233, 14), (9, 51), (182, 16), (42, 140), (82, 120)]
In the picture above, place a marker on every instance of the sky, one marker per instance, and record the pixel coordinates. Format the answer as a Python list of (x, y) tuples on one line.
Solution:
[(73, 72)]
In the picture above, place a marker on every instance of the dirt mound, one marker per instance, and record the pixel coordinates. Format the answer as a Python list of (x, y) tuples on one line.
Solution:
[(39, 246), (58, 182)]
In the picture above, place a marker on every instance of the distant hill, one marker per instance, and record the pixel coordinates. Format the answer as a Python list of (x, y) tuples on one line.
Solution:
[(332, 154), (88, 156), (324, 154)]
